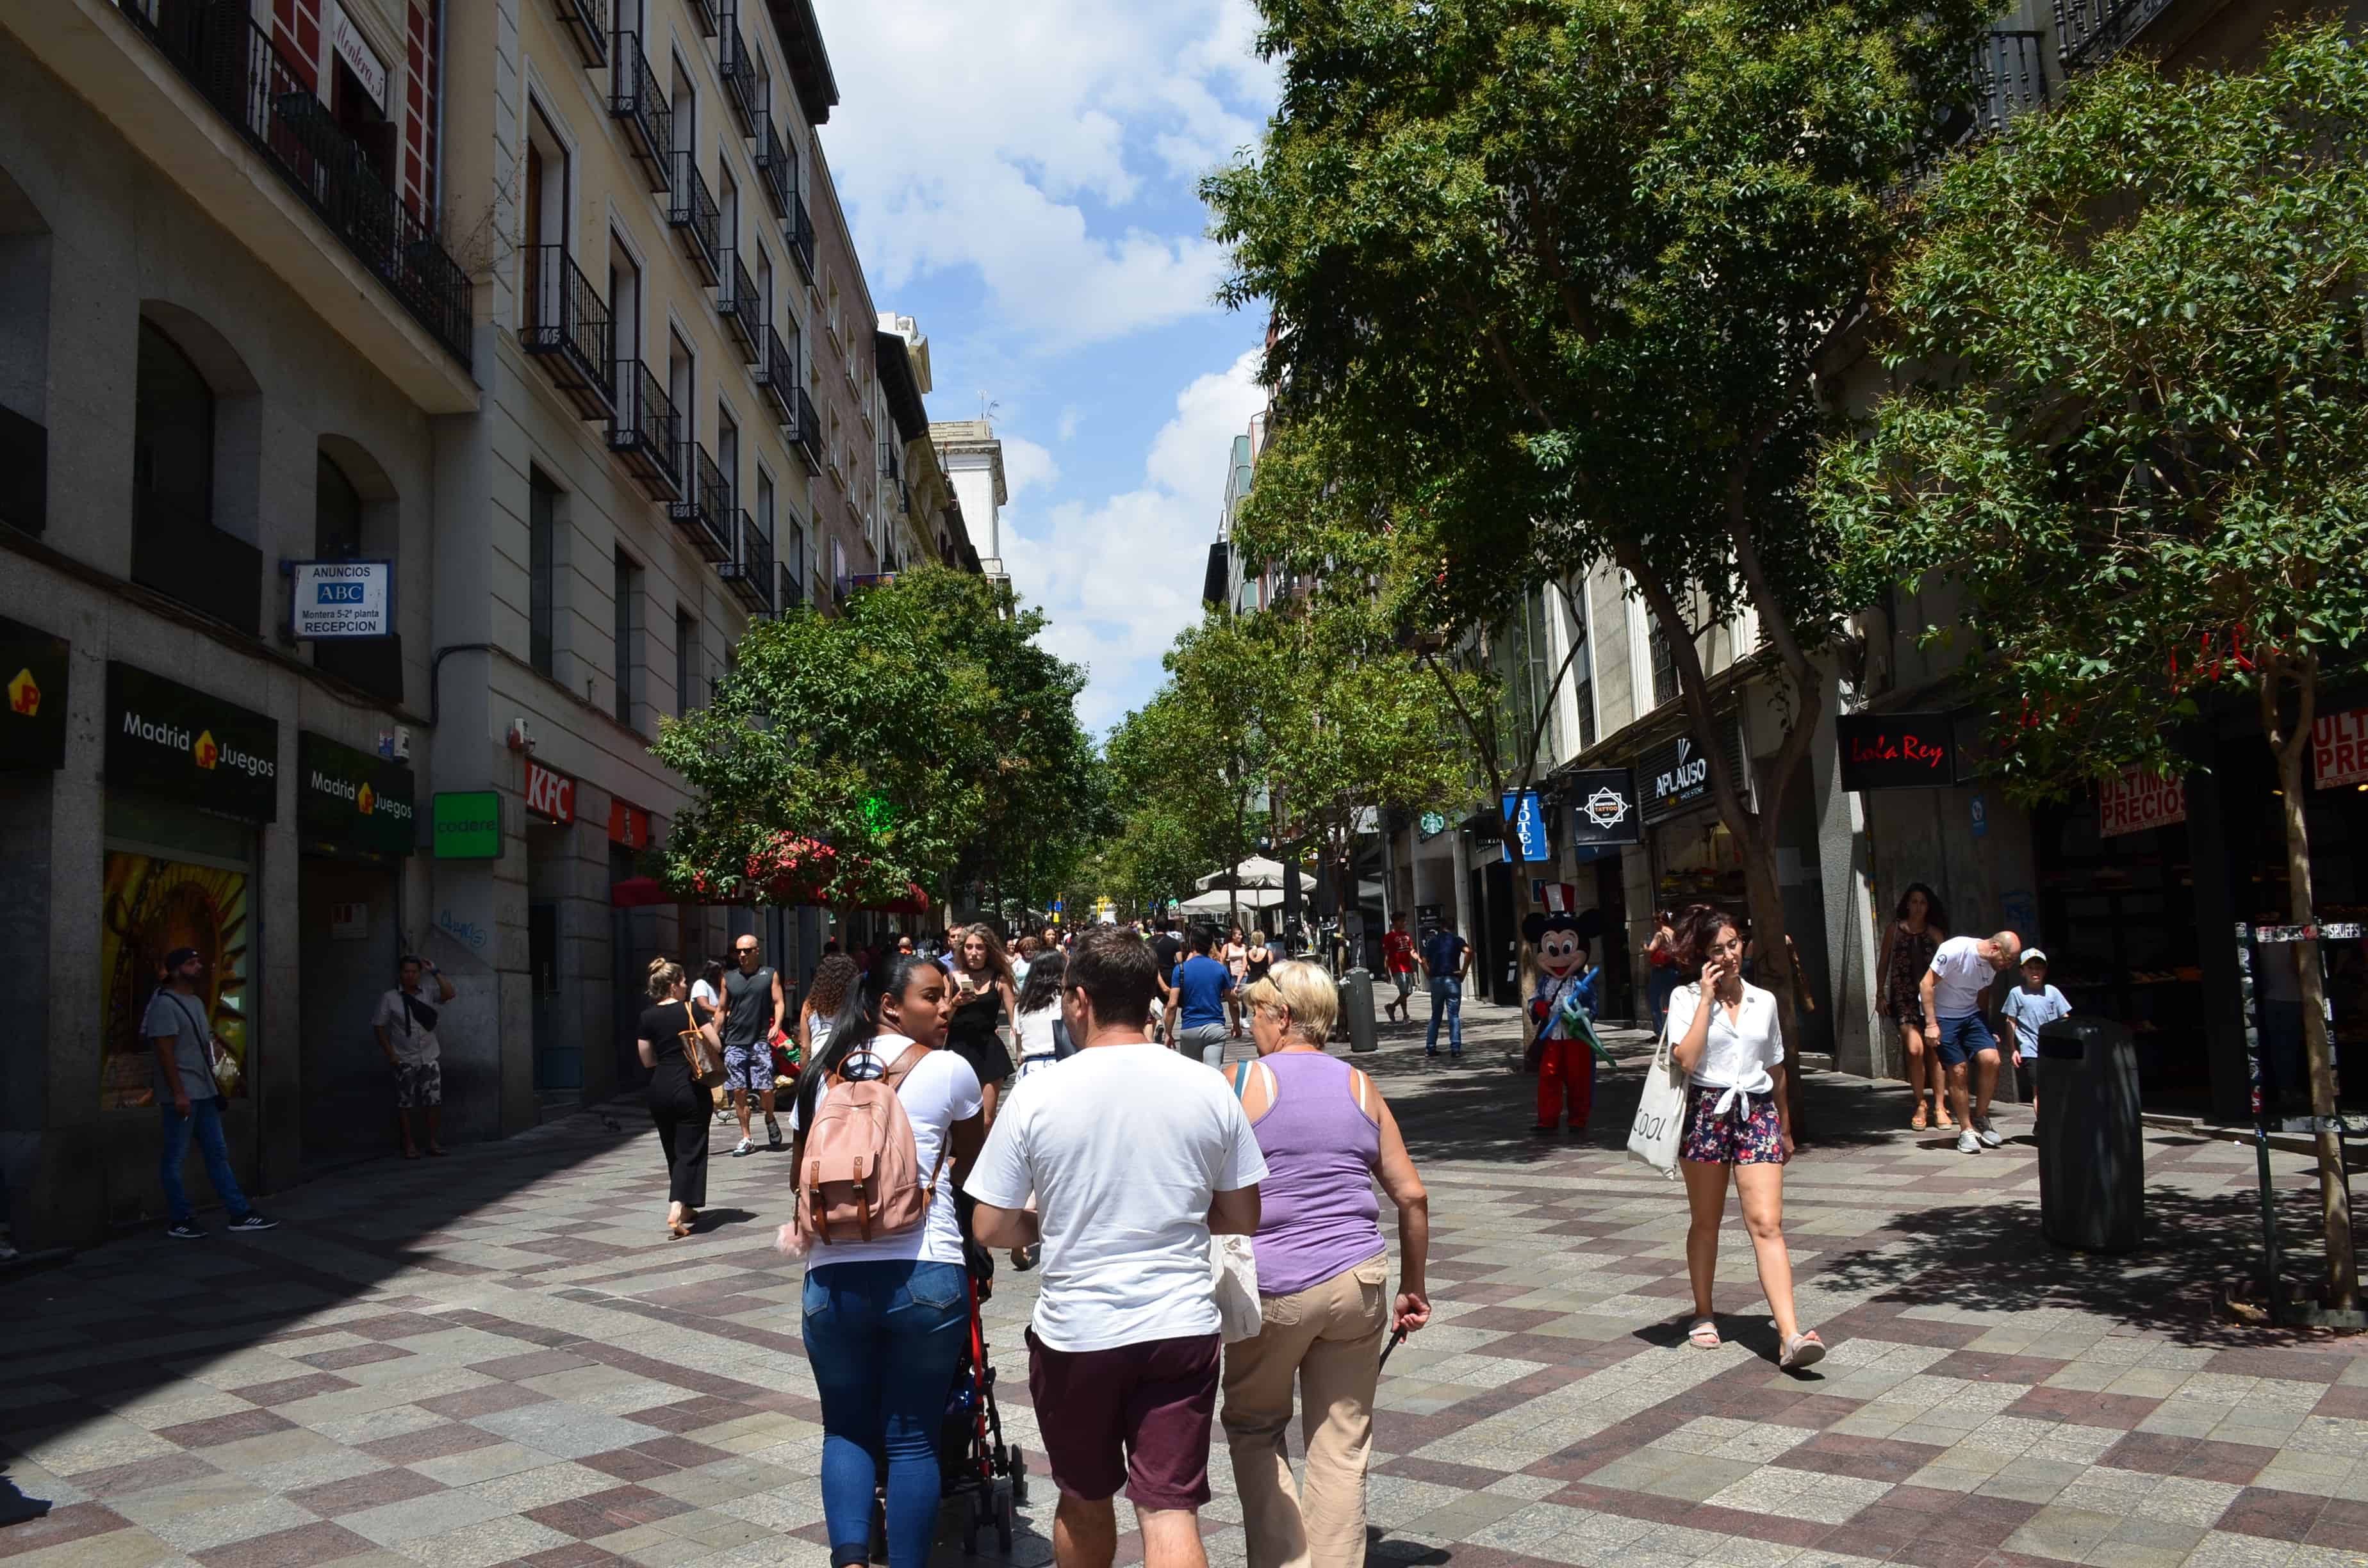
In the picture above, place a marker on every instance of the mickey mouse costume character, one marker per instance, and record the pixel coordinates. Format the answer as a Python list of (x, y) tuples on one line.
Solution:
[(1563, 1047)]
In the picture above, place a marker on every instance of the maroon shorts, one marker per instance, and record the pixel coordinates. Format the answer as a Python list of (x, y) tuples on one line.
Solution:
[(1136, 1415)]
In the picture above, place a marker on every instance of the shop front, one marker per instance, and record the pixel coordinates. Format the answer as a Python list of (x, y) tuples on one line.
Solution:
[(634, 935), (191, 782), (35, 665), (357, 827), (549, 847), (1694, 859), (1602, 822)]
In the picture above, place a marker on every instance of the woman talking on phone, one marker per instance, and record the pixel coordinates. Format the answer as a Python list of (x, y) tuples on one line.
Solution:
[(1724, 1036), (981, 1000)]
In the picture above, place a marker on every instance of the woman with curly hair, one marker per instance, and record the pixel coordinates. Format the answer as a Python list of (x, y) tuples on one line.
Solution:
[(830, 995), (1724, 1034), (983, 998)]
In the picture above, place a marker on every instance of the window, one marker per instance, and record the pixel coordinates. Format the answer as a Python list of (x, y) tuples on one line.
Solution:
[(684, 100), (764, 271), (682, 381), (1582, 668), (173, 436), (624, 302), (546, 182), (727, 205), (793, 556), (336, 513), (686, 662), (543, 569), (629, 636), (727, 455), (765, 508), (1665, 666)]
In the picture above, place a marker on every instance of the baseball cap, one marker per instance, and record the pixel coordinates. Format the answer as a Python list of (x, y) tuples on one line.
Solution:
[(178, 957), (2034, 955)]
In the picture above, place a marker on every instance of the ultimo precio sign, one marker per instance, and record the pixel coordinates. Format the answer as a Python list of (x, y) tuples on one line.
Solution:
[(170, 739)]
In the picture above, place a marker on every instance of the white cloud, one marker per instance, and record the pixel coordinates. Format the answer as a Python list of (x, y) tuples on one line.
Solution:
[(978, 136), (1119, 579), (1069, 417), (1026, 466)]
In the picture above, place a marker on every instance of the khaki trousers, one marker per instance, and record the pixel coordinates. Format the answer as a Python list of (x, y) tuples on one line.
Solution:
[(1327, 1338)]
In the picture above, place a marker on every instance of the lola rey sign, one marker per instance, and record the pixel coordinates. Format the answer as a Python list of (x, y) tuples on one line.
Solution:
[(341, 599)]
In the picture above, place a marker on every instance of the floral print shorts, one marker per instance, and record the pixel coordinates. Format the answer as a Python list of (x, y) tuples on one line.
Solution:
[(419, 1084), (1733, 1139)]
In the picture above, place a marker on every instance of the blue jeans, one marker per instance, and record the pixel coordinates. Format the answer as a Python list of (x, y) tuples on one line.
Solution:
[(1664, 984), (1446, 1001), (883, 1340), (205, 1120)]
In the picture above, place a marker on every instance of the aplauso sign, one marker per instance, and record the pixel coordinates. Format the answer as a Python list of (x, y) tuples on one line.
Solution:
[(166, 737), (352, 800)]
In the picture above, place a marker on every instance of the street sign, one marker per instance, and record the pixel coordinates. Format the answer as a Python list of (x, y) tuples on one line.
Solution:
[(1530, 822), (342, 598), (468, 825)]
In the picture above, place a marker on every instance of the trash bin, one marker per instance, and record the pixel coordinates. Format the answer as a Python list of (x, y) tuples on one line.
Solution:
[(1356, 1009), (2092, 1151)]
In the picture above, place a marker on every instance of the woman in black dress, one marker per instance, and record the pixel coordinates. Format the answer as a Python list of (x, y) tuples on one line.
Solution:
[(678, 1105), (983, 1000)]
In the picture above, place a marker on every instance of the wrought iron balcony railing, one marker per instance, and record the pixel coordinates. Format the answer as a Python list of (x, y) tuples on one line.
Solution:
[(2009, 79), (750, 572), (233, 64), (743, 312), (738, 69), (586, 23), (697, 221), (566, 324), (637, 101), (774, 168), (703, 510), (891, 463), (798, 229), (777, 375), (804, 428), (2089, 32), (642, 432), (793, 592)]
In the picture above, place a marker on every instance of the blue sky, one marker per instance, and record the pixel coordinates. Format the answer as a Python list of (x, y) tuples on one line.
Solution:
[(1020, 177)]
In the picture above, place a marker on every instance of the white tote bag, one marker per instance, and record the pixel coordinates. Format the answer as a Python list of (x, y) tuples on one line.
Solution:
[(1661, 1113), (1232, 1268)]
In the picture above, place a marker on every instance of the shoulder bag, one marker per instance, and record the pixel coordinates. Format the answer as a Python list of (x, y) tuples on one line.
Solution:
[(1232, 1264), (1661, 1112), (219, 1063), (703, 1050)]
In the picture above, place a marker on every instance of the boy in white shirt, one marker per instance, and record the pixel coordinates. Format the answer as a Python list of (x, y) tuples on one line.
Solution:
[(1135, 1155)]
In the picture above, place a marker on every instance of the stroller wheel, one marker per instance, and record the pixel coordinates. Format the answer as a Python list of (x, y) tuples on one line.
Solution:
[(1015, 1465), (1006, 1520)]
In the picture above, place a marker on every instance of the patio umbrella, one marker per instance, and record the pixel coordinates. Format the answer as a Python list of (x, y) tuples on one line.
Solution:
[(1258, 872)]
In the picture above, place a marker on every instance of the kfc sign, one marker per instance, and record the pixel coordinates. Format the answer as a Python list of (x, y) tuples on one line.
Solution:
[(2339, 748), (549, 794), (2138, 800)]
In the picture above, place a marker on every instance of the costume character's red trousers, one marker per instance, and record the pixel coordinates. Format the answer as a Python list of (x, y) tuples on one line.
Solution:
[(1566, 1070)]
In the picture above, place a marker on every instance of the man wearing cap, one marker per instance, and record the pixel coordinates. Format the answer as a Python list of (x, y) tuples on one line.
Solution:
[(189, 1100), (1963, 969)]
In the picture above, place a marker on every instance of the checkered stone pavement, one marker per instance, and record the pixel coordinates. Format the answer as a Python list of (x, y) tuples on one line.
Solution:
[(498, 1358)]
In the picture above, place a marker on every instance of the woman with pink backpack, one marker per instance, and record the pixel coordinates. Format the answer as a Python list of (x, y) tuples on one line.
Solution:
[(884, 1118)]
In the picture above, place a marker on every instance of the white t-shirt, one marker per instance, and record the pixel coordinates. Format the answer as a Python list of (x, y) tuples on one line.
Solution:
[(1123, 1147), (704, 994), (1035, 1031), (1738, 1052), (412, 1045), (939, 1092), (1964, 974)]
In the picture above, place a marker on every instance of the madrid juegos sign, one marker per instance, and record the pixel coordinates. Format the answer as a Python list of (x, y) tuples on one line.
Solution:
[(171, 739)]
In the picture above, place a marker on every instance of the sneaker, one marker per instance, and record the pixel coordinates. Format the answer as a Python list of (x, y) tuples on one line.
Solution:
[(187, 1231), (748, 1147), (1967, 1143), (1986, 1133), (773, 1134), (251, 1221), (1431, 1051)]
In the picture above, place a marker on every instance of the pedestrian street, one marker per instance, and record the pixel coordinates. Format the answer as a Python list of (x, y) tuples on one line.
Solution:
[(498, 1357)]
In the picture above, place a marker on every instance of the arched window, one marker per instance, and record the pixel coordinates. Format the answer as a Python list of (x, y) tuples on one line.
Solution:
[(172, 435), (336, 514)]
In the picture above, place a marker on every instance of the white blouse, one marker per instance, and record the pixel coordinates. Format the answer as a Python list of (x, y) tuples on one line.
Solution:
[(1740, 1051)]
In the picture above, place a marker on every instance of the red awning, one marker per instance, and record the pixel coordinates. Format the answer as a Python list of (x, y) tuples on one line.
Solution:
[(640, 893)]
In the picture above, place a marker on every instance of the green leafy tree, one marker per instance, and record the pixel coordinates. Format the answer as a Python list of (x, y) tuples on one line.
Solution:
[(2146, 456), (1560, 274), (919, 732)]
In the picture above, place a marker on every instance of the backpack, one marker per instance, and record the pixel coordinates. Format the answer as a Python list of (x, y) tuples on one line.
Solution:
[(859, 1170)]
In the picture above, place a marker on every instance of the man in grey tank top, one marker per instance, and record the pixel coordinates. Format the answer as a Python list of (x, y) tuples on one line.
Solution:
[(752, 1011)]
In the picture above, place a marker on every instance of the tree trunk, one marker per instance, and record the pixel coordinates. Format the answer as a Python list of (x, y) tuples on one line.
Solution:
[(2342, 1265)]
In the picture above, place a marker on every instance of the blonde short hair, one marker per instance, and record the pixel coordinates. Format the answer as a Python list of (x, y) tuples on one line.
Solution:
[(664, 975), (1306, 992)]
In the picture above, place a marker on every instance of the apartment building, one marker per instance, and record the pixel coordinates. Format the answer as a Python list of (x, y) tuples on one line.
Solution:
[(546, 305), (234, 339)]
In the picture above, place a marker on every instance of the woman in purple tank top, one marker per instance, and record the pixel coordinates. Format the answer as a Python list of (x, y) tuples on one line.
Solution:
[(1323, 1277)]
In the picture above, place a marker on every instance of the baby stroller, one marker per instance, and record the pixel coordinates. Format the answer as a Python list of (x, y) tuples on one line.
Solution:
[(977, 1466), (986, 1477)]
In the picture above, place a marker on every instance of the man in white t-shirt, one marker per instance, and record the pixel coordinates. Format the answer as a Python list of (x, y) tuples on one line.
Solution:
[(1963, 969), (1135, 1155), (405, 1026)]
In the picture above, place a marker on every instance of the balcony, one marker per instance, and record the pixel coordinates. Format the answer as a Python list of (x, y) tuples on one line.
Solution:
[(642, 432), (750, 572), (777, 376), (702, 12), (698, 224), (793, 592), (586, 22), (637, 102), (738, 69), (184, 557), (566, 326), (23, 473), (373, 664), (704, 512), (798, 229), (2009, 78), (233, 64), (805, 427), (891, 463), (2089, 32), (743, 312), (774, 169)]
